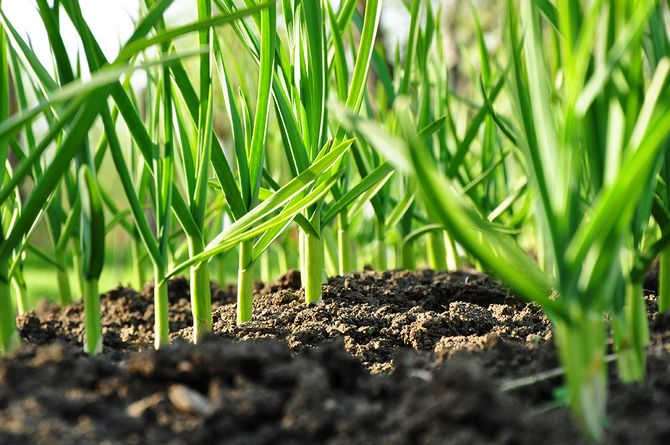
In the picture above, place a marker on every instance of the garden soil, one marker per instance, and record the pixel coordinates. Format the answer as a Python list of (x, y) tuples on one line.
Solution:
[(388, 358)]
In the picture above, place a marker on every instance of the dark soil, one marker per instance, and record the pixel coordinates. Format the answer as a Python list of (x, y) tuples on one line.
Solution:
[(390, 358)]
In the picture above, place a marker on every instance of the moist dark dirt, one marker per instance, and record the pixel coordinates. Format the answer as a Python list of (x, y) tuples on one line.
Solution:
[(396, 358)]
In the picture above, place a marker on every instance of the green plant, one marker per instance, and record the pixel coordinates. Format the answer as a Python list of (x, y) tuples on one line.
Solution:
[(84, 109), (544, 162), (8, 335), (191, 211), (300, 99), (656, 52), (312, 94), (250, 153), (579, 178), (93, 250)]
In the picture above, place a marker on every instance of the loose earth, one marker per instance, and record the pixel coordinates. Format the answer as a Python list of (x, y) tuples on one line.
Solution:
[(396, 357)]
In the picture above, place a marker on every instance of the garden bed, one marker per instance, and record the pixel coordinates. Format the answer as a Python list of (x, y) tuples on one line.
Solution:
[(395, 357)]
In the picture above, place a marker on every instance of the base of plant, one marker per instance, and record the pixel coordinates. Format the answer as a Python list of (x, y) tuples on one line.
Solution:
[(64, 289), (161, 315), (581, 348), (9, 336), (21, 293), (201, 301), (343, 252), (631, 335), (245, 283), (437, 251), (453, 262), (92, 320), (407, 256), (311, 272)]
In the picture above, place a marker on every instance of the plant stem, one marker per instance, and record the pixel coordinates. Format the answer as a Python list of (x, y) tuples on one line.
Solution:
[(407, 260), (21, 294), (631, 335), (161, 309), (266, 267), (331, 252), (664, 281), (437, 251), (283, 258), (343, 244), (245, 283), (201, 298), (382, 257), (92, 321), (63, 280), (9, 336), (453, 262), (138, 267), (581, 348), (77, 266), (221, 270), (311, 253)]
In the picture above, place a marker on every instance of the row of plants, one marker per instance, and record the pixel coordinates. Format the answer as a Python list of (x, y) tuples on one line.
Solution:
[(273, 129)]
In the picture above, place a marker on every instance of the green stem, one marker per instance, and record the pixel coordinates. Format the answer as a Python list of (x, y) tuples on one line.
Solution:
[(9, 336), (407, 260), (92, 321), (201, 297), (245, 283), (138, 268), (382, 256), (21, 294), (437, 251), (77, 266), (631, 335), (581, 348), (161, 309), (283, 257), (266, 267), (63, 280), (344, 256), (221, 269), (664, 281), (453, 262), (311, 253), (331, 252)]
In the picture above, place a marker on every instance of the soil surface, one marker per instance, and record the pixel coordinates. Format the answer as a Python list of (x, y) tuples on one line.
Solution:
[(395, 358)]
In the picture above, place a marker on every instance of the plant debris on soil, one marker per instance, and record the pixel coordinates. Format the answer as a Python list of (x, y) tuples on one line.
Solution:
[(395, 358)]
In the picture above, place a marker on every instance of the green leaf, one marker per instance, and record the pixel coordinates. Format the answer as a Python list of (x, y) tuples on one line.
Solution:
[(34, 205), (93, 225), (371, 183), (365, 50), (418, 233), (464, 224), (339, 63), (137, 211), (611, 214), (81, 90), (236, 126), (258, 139), (137, 45), (290, 199), (399, 210)]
